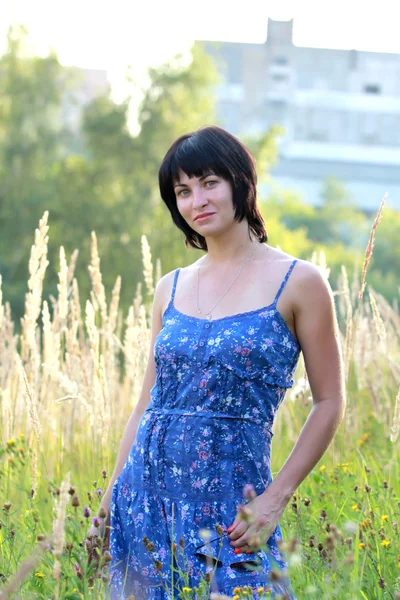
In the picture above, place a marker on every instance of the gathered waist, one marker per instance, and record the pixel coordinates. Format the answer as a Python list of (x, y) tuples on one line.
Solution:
[(209, 414)]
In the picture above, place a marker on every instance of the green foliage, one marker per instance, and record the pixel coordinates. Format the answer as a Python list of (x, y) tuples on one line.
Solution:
[(104, 178)]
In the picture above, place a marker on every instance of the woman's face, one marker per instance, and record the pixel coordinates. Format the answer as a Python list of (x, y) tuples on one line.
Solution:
[(205, 202)]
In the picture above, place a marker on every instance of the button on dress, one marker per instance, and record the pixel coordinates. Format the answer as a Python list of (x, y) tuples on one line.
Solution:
[(206, 433)]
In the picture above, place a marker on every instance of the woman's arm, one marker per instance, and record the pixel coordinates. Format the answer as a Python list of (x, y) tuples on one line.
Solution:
[(162, 289), (318, 335)]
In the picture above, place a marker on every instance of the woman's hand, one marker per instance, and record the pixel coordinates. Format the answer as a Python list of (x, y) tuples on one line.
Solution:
[(256, 521)]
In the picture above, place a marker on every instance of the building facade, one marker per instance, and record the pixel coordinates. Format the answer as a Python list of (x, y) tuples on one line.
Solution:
[(340, 110)]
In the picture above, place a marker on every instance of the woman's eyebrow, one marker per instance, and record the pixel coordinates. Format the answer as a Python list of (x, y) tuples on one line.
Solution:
[(178, 183)]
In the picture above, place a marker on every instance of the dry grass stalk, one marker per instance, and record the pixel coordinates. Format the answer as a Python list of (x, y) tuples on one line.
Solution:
[(34, 473), (58, 531), (137, 302), (147, 266), (71, 268), (38, 264), (59, 520), (114, 305), (347, 351), (377, 319), (370, 247), (98, 293), (319, 259), (30, 400), (92, 333), (62, 288), (396, 420)]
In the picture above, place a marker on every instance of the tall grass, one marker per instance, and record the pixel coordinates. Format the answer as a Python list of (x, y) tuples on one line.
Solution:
[(69, 381)]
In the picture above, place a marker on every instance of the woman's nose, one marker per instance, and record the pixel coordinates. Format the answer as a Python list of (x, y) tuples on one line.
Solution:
[(199, 198)]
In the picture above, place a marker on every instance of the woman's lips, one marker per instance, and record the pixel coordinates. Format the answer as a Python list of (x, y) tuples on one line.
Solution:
[(203, 217)]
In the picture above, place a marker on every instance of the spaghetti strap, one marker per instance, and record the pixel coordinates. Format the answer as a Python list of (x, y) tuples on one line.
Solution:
[(284, 282), (174, 286)]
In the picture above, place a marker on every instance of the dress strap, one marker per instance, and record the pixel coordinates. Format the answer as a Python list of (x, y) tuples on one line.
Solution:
[(284, 281), (174, 285)]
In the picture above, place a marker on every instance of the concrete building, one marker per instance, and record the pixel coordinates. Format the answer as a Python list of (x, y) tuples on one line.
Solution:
[(340, 110)]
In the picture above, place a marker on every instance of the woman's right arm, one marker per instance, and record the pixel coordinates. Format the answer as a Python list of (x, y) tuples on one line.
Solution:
[(161, 293)]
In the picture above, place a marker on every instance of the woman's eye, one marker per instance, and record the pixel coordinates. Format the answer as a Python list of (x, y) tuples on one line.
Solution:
[(212, 182), (180, 193)]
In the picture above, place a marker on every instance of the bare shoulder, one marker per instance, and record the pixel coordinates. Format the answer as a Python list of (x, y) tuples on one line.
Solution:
[(311, 291)]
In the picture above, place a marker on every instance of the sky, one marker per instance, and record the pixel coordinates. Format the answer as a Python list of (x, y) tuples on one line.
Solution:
[(112, 35)]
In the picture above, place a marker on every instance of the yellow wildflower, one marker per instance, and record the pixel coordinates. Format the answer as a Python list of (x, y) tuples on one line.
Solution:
[(355, 507), (363, 439), (384, 517), (237, 590), (361, 546), (322, 468), (385, 543), (235, 597), (186, 590), (40, 575), (11, 442)]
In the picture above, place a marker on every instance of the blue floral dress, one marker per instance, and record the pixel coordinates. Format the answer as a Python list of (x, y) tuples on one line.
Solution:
[(206, 433)]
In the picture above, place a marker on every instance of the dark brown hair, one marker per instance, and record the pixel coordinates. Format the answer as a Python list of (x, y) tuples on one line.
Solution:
[(216, 151)]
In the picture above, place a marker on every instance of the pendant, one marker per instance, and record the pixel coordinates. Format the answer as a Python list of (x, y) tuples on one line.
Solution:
[(209, 316)]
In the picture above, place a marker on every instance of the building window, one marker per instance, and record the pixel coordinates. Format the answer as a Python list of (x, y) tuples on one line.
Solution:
[(280, 60), (372, 89)]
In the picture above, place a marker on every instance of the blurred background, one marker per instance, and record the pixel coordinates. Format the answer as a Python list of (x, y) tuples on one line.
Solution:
[(92, 95)]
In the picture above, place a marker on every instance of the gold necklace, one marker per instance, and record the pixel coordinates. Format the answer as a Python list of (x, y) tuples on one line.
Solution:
[(208, 314)]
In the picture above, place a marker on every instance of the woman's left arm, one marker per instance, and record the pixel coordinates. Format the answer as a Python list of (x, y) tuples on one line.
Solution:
[(318, 334)]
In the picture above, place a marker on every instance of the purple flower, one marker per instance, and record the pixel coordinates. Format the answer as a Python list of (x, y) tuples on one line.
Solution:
[(99, 492), (86, 512), (249, 492), (96, 521)]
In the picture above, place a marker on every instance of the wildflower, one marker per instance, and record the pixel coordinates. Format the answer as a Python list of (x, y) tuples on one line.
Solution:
[(363, 439), (361, 546), (40, 575), (384, 518), (102, 512), (7, 506), (306, 501), (104, 474), (86, 512), (10, 443), (96, 521), (367, 488), (75, 501), (260, 590), (249, 492), (322, 468), (245, 514), (235, 597), (355, 508), (187, 590), (158, 565), (71, 491), (323, 514), (237, 590), (385, 543), (99, 492)]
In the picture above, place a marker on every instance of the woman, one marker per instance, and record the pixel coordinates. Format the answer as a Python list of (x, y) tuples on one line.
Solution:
[(227, 332)]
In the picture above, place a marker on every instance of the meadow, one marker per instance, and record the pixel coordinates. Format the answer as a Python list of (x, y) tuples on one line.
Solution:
[(69, 381)]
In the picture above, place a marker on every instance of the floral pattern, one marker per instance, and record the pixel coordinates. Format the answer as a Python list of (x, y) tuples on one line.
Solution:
[(206, 433)]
